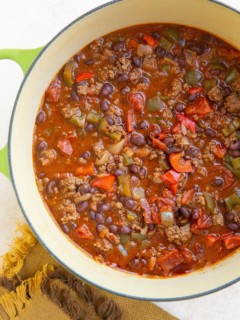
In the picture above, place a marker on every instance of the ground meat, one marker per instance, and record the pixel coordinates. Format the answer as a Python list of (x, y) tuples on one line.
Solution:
[(123, 65), (106, 73), (190, 57), (149, 63), (236, 85), (68, 211), (217, 218), (178, 235), (175, 89), (69, 186), (46, 157), (68, 112), (215, 94), (103, 245), (199, 199), (236, 212), (135, 74), (232, 103), (89, 89)]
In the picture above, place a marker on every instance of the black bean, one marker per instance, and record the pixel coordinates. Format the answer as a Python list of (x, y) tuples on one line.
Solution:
[(118, 46), (73, 225), (226, 91), (86, 155), (195, 214), (169, 141), (118, 172), (170, 55), (93, 190), (180, 106), (160, 52), (173, 150), (103, 207), (234, 153), (131, 204), (144, 261), (156, 35), (137, 140), (100, 227), (104, 105), (151, 227), (75, 96), (125, 90), (144, 80), (149, 141), (118, 120), (191, 153), (123, 77), (82, 206), (92, 214), (89, 127), (143, 124), (65, 228), (99, 218), (137, 61), (143, 172), (41, 146), (126, 229), (41, 175), (113, 228), (191, 97), (50, 187), (229, 216), (41, 117), (182, 62), (108, 220), (233, 226), (126, 54), (134, 168), (90, 62), (210, 133), (84, 188), (155, 130), (133, 264), (107, 89), (217, 182), (235, 145), (186, 212), (109, 120)]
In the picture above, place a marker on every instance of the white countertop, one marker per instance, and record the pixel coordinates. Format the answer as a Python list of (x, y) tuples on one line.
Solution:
[(31, 24)]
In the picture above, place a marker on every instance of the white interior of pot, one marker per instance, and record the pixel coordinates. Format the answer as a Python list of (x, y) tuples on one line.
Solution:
[(198, 13)]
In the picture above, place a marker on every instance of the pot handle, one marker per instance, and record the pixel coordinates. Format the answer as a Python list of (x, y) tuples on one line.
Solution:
[(25, 58)]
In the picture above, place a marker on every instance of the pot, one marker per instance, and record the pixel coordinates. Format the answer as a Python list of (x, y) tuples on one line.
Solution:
[(204, 14)]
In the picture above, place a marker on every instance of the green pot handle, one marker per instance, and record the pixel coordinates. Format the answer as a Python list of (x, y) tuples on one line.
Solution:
[(25, 58)]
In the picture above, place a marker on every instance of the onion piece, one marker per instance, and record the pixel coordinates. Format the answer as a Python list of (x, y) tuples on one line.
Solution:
[(138, 193), (116, 147), (167, 218)]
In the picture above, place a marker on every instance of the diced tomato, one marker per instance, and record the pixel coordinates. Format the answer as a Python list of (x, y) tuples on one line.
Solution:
[(170, 260), (200, 107), (204, 221), (65, 146), (84, 170), (168, 201), (158, 144), (52, 93), (196, 230), (211, 239), (162, 136), (187, 255), (150, 40), (174, 188), (187, 196), (232, 241), (132, 44), (130, 120), (179, 164), (171, 177), (147, 211), (83, 232), (156, 217), (198, 248), (105, 183), (137, 100), (84, 76), (221, 151), (195, 90), (187, 122), (228, 54)]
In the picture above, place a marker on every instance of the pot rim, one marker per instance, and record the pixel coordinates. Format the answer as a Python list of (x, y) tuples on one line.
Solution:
[(187, 297)]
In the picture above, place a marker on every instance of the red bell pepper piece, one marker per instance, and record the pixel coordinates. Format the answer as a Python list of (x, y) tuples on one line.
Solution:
[(228, 54), (232, 241), (195, 90), (132, 44), (105, 183), (147, 211), (200, 107), (171, 177), (137, 101), (187, 122), (204, 221), (221, 151), (187, 196), (130, 121), (170, 260), (65, 146), (84, 76), (179, 164), (150, 40), (83, 232), (211, 239), (158, 144), (52, 93), (176, 128), (85, 170)]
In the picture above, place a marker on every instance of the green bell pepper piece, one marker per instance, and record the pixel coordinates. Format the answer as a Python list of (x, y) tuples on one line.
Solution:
[(68, 72), (232, 201), (209, 84), (165, 43), (232, 75), (79, 120), (193, 77), (171, 33), (155, 104), (125, 185), (235, 163), (210, 202), (127, 160), (93, 117)]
